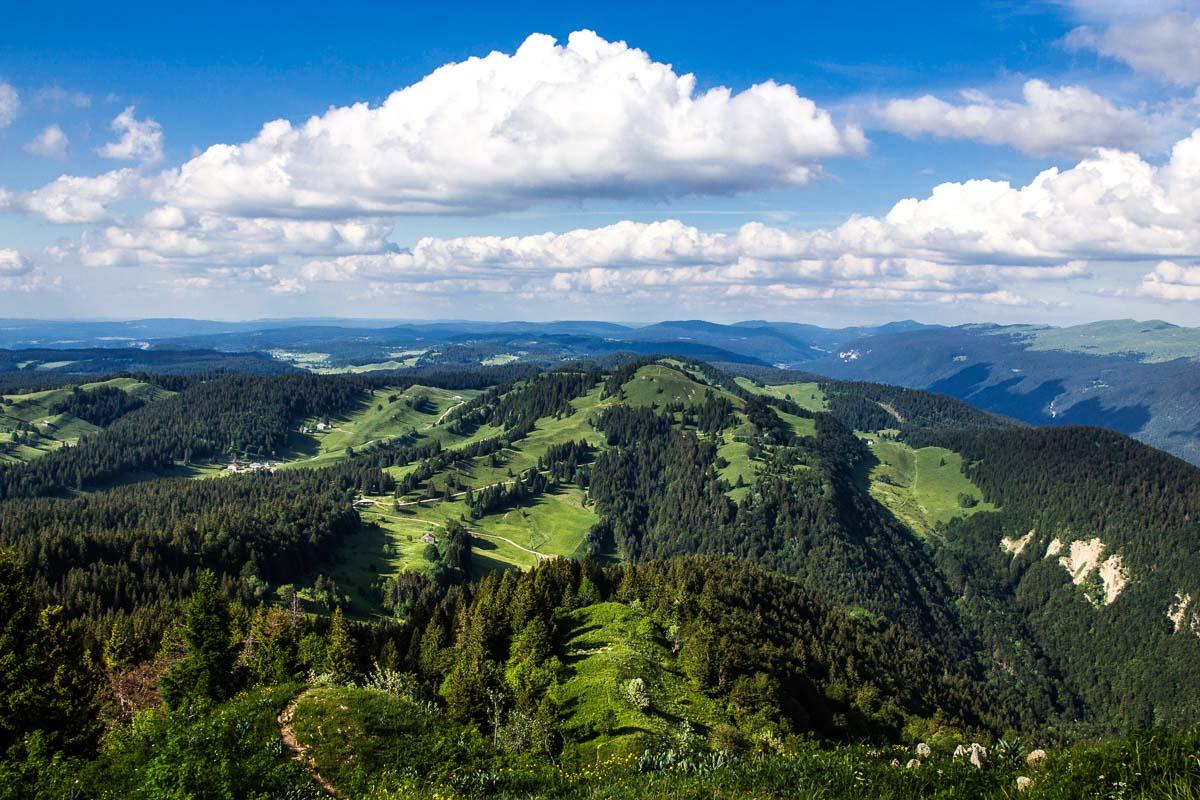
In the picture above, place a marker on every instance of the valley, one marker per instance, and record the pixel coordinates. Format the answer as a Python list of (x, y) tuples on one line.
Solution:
[(622, 559)]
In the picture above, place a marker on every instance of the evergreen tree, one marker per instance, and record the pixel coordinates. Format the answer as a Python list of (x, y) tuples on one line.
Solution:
[(339, 655), (46, 680), (205, 674)]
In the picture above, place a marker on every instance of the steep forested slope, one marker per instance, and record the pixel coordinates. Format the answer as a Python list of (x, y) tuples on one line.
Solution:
[(1095, 553), (709, 561)]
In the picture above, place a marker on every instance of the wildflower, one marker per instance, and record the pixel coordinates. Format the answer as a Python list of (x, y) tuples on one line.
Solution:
[(1035, 757), (924, 750), (913, 763), (1023, 783)]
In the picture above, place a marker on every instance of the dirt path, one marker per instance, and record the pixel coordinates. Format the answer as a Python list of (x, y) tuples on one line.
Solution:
[(456, 495), (446, 413), (298, 752), (540, 556)]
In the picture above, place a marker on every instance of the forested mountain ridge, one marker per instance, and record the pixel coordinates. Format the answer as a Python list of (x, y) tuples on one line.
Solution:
[(769, 557), (1136, 377)]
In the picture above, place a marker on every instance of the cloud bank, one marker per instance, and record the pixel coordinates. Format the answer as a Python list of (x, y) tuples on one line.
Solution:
[(1049, 120), (590, 118)]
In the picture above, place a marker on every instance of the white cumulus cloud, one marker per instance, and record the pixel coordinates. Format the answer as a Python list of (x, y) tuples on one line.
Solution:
[(169, 237), (18, 274), (138, 139), (1066, 119), (635, 257), (1170, 281), (588, 118), (72, 199), (51, 143), (976, 238), (1160, 38), (13, 263)]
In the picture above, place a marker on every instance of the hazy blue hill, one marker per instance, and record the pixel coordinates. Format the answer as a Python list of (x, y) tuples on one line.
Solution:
[(824, 339), (1152, 341), (766, 344), (1136, 377), (1109, 374), (107, 361)]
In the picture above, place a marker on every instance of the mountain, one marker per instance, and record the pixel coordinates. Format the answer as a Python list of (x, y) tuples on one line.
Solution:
[(657, 559), (1140, 379), (1137, 378)]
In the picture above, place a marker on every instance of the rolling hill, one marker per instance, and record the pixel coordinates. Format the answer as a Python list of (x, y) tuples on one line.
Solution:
[(590, 564)]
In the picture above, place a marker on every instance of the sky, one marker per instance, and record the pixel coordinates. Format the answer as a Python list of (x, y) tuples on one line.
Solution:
[(848, 163)]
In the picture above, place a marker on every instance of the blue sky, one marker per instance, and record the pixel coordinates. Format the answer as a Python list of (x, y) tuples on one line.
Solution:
[(583, 177)]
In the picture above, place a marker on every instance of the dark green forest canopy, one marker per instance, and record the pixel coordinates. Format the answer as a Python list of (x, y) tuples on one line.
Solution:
[(788, 599)]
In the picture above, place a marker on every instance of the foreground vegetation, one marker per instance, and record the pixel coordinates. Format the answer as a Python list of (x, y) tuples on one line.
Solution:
[(280, 709)]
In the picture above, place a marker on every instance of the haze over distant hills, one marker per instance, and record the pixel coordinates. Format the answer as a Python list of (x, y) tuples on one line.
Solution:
[(1139, 378)]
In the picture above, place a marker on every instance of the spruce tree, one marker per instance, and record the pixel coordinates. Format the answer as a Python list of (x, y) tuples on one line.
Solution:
[(339, 655), (47, 682), (204, 675)]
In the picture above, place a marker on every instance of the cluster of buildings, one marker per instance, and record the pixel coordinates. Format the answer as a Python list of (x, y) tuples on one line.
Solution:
[(252, 466)]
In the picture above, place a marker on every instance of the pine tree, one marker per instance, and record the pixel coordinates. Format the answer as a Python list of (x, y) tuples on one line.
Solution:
[(46, 680), (339, 655), (118, 648), (205, 675)]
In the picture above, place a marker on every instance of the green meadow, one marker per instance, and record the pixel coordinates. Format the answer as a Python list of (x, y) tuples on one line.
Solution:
[(807, 395), (921, 487), (387, 414), (606, 646), (55, 430)]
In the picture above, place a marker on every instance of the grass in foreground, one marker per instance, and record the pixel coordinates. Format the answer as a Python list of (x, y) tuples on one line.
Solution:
[(378, 746), (373, 745)]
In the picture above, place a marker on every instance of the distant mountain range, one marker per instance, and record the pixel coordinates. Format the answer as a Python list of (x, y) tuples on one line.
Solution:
[(1139, 378)]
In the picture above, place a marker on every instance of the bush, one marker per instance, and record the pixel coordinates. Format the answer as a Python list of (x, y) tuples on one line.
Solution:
[(637, 694)]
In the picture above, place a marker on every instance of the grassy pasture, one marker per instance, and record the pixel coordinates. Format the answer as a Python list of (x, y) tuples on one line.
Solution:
[(55, 430), (376, 420), (606, 645), (660, 384), (553, 524), (807, 395), (740, 465), (921, 487)]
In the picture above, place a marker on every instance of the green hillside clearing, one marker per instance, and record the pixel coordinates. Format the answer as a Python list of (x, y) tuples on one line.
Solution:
[(607, 645), (922, 487), (806, 395), (387, 414), (55, 430)]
